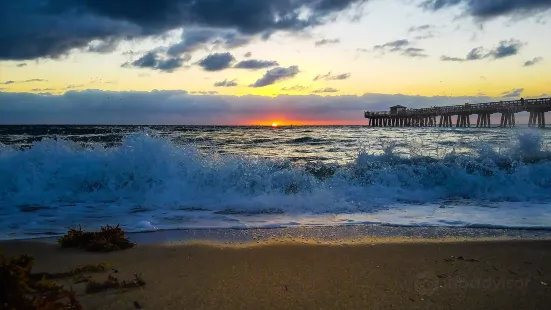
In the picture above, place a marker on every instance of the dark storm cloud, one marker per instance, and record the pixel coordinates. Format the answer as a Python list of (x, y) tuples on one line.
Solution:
[(486, 9), (216, 61), (533, 62), (179, 107), (330, 77), (74, 24), (201, 38), (326, 42), (103, 47), (152, 60), (254, 64), (276, 74), (325, 90), (226, 83), (148, 60), (403, 47), (170, 64), (514, 93), (505, 48)]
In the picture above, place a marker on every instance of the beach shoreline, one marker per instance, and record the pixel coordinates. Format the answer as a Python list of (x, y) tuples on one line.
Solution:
[(289, 272), (329, 233)]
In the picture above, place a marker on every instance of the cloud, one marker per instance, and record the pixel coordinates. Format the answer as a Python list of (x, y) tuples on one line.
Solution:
[(326, 42), (514, 93), (73, 86), (448, 58), (505, 48), (393, 46), (403, 47), (329, 77), (152, 60), (276, 74), (325, 90), (179, 107), (475, 54), (77, 23), (21, 65), (414, 52), (195, 38), (533, 62), (101, 81), (420, 28), (487, 9), (103, 47), (294, 88), (216, 61), (210, 92), (248, 54), (25, 81), (254, 64), (42, 89), (423, 32), (226, 83)]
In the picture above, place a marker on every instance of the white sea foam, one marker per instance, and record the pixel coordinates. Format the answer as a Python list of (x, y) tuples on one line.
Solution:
[(149, 183)]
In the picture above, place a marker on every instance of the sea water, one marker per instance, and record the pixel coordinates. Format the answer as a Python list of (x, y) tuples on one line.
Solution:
[(170, 177)]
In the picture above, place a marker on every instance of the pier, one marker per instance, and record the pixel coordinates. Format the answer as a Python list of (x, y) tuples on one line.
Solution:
[(400, 116)]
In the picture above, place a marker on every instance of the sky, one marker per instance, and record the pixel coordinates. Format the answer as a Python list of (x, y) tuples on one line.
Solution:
[(250, 62)]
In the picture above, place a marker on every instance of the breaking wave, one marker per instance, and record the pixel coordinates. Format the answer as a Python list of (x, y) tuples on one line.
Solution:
[(146, 174)]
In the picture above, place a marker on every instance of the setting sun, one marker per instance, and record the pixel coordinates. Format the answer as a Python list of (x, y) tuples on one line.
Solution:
[(274, 125)]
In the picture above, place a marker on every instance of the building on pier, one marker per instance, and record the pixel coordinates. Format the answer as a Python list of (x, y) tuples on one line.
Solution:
[(400, 116)]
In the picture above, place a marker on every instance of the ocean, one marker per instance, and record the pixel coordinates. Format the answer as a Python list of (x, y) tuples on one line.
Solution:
[(149, 178)]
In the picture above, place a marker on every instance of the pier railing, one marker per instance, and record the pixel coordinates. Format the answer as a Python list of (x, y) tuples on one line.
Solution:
[(426, 117)]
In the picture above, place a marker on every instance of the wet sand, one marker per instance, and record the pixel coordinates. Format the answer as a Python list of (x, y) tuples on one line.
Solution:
[(291, 275)]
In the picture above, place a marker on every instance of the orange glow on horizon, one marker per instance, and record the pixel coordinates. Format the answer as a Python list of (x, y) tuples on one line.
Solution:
[(303, 122)]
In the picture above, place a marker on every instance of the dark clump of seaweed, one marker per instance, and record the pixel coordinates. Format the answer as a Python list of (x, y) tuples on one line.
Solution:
[(76, 273), (113, 282), (19, 290), (109, 238)]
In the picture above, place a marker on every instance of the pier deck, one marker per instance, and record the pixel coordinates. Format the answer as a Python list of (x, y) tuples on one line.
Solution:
[(399, 116)]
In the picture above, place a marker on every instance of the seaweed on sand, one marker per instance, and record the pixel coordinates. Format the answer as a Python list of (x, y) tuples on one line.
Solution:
[(109, 238), (19, 290), (75, 273), (113, 282), (22, 290)]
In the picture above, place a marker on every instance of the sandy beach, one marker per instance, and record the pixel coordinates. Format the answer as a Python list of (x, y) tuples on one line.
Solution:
[(290, 275)]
